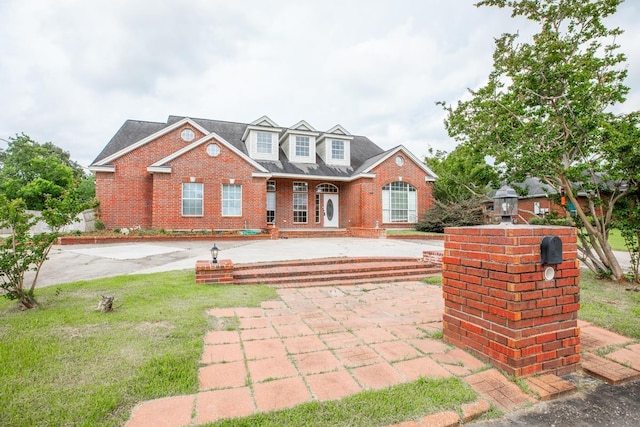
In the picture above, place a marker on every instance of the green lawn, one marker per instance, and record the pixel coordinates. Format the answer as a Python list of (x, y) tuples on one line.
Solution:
[(616, 241), (609, 305), (68, 364)]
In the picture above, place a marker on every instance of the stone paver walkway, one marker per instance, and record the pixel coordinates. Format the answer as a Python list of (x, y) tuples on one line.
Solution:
[(329, 342)]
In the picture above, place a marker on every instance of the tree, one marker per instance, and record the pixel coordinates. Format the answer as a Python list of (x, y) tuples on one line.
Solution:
[(33, 172), (23, 251), (462, 174), (546, 111)]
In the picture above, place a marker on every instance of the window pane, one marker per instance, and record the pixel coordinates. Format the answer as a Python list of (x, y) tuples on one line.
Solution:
[(302, 146), (271, 207), (299, 207), (300, 187), (264, 142), (337, 150), (192, 199), (399, 203), (231, 200)]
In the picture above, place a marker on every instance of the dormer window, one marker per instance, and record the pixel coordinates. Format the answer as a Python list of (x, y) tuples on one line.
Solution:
[(337, 150), (261, 138), (264, 142), (302, 146), (262, 145), (299, 143), (334, 146)]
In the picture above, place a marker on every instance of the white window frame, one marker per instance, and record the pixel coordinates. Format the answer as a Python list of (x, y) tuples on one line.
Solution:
[(399, 203), (300, 202), (189, 196), (302, 146), (262, 144), (228, 203), (271, 202), (335, 150)]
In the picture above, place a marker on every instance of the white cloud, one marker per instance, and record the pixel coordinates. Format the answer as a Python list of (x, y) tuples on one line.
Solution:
[(73, 71)]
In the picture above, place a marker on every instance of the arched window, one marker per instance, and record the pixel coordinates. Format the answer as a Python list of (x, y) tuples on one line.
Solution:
[(399, 202), (326, 188)]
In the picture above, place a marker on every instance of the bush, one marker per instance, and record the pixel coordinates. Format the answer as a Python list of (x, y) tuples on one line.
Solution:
[(552, 218), (456, 214)]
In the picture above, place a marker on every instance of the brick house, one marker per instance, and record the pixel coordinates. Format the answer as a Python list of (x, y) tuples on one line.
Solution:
[(537, 200), (196, 174)]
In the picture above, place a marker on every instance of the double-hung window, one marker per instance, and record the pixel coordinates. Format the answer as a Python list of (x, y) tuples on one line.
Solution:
[(231, 200), (337, 150), (264, 142), (300, 201), (192, 198), (271, 202), (399, 203), (302, 146)]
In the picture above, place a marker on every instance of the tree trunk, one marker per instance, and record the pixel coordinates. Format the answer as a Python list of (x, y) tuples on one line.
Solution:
[(27, 301), (106, 304)]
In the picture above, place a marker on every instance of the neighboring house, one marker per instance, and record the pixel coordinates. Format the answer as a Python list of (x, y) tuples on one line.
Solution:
[(536, 199), (196, 174)]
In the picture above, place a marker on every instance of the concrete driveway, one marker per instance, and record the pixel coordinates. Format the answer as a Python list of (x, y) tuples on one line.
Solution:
[(83, 262)]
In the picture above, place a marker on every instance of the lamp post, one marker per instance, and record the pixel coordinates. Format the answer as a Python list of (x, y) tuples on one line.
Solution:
[(505, 204), (214, 254)]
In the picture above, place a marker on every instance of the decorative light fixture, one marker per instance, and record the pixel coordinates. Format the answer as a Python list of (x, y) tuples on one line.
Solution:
[(214, 254), (505, 204)]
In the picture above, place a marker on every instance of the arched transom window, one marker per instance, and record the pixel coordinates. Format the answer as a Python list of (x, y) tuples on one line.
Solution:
[(326, 188), (399, 203)]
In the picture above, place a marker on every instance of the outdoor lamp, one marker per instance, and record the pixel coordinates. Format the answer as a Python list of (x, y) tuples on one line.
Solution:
[(214, 253), (505, 203)]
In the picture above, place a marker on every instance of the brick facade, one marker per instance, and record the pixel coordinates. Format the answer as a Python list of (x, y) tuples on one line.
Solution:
[(498, 304), (132, 196)]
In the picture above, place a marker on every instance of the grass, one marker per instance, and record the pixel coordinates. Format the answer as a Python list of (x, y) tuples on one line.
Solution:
[(370, 408), (609, 305), (616, 241), (395, 232), (433, 280), (68, 364)]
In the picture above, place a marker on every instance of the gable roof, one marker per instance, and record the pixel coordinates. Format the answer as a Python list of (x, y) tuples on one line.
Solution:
[(127, 138), (372, 162), (365, 155)]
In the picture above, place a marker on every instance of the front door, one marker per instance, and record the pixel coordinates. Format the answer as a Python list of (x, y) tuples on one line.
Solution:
[(330, 210)]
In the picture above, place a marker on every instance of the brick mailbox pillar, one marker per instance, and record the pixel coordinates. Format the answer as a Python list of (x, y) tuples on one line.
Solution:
[(500, 306), (208, 272)]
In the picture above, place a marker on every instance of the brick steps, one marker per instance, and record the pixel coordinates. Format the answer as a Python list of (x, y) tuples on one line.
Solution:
[(334, 271)]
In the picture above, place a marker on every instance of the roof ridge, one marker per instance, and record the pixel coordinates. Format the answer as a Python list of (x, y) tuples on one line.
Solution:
[(209, 120)]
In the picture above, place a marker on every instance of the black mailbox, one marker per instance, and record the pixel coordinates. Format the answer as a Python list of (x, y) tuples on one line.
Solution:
[(551, 250)]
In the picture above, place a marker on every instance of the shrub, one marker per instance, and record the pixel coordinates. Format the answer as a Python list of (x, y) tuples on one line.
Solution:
[(456, 214)]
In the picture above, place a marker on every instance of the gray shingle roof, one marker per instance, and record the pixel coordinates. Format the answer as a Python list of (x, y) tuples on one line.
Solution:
[(363, 151), (129, 133)]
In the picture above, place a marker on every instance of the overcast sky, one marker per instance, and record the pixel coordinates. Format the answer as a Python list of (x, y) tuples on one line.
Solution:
[(71, 72)]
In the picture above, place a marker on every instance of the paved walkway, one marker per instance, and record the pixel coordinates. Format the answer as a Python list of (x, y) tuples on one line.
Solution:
[(329, 342)]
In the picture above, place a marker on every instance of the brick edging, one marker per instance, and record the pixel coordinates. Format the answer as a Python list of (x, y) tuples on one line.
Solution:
[(79, 240)]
